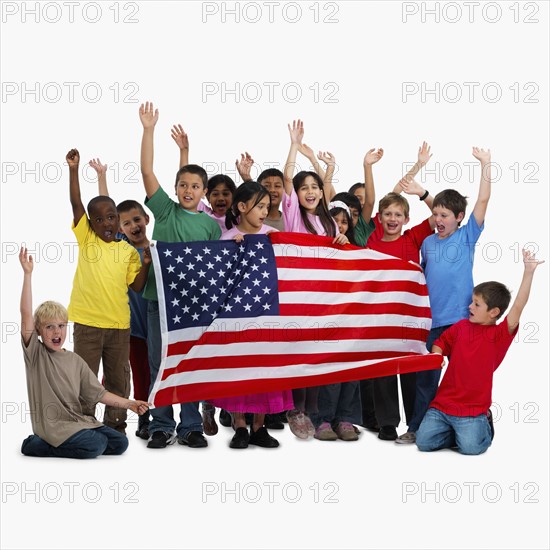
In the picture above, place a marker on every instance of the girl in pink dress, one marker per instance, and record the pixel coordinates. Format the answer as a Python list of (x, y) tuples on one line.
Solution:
[(246, 217)]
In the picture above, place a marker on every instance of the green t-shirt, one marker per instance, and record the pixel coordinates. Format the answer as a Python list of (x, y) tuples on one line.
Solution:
[(174, 224), (363, 231)]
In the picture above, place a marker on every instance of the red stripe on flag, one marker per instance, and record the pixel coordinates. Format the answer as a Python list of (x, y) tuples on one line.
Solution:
[(276, 361), (348, 286), (300, 335), (212, 390), (351, 308), (343, 264)]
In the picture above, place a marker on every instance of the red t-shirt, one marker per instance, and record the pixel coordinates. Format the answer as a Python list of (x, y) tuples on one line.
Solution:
[(407, 247), (476, 352)]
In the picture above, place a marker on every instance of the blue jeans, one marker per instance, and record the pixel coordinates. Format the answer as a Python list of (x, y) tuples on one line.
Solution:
[(338, 403), (162, 418), (87, 443), (427, 382), (470, 434)]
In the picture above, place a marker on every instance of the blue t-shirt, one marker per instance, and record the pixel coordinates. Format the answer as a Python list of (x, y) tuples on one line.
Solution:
[(448, 267), (138, 304), (138, 309)]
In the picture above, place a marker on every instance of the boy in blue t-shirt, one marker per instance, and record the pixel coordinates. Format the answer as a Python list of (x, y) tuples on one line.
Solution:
[(447, 260)]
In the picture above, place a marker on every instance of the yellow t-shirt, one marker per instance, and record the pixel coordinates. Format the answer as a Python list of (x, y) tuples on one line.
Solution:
[(100, 288)]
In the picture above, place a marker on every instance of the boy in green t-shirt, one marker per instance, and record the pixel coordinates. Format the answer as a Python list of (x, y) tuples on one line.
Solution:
[(174, 222)]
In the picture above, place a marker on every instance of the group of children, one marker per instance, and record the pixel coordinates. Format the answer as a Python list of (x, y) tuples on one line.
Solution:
[(115, 308)]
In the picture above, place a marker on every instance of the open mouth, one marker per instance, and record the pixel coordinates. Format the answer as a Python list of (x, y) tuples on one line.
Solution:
[(56, 341)]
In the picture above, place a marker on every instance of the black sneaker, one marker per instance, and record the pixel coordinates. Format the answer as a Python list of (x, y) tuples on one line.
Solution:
[(371, 427), (195, 440), (159, 440), (283, 418), (143, 426), (387, 433), (273, 422), (262, 438), (240, 439), (225, 418)]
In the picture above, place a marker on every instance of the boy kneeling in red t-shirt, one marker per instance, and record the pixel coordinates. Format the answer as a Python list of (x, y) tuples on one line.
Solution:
[(459, 416)]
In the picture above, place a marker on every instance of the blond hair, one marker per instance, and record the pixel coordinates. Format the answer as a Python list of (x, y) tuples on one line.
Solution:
[(393, 198), (49, 311)]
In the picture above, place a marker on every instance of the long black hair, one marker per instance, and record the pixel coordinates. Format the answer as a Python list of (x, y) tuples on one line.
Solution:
[(245, 192), (322, 211)]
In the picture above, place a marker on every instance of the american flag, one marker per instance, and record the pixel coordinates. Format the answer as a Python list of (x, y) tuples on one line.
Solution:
[(284, 311)]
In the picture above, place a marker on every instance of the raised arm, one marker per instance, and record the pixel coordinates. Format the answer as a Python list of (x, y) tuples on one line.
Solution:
[(330, 161), (27, 319), (296, 134), (484, 194), (149, 118), (423, 157), (182, 141), (244, 166), (372, 157), (307, 152), (412, 187), (73, 160), (530, 264), (101, 171)]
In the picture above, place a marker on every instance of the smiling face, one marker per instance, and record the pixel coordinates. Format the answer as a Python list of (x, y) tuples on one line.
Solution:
[(392, 219), (253, 215), (446, 223), (309, 194), (480, 314), (133, 224), (190, 190), (274, 184), (53, 333), (104, 220), (220, 199)]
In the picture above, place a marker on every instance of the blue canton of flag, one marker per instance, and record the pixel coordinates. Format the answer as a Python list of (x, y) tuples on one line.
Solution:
[(206, 280)]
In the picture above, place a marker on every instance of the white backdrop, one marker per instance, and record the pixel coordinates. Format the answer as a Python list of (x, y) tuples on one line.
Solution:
[(361, 75)]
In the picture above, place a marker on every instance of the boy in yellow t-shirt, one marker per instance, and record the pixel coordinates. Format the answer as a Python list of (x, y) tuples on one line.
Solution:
[(99, 299)]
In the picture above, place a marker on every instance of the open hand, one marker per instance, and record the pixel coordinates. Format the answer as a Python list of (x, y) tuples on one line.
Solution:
[(180, 137), (26, 261), (529, 261), (327, 158), (148, 115), (244, 166), (98, 167), (424, 154), (296, 131), (373, 156), (481, 154)]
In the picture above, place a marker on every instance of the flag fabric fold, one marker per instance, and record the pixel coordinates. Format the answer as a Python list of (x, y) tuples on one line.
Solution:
[(282, 311)]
